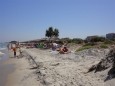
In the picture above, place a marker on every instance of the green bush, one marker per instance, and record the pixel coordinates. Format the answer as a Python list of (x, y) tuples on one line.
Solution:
[(77, 40), (103, 46), (90, 44), (68, 40), (95, 39), (108, 42), (84, 48), (98, 39)]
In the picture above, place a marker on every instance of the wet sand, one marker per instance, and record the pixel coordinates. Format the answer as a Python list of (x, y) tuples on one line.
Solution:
[(5, 68), (22, 75)]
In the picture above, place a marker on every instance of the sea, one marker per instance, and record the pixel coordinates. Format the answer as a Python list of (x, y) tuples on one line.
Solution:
[(3, 51)]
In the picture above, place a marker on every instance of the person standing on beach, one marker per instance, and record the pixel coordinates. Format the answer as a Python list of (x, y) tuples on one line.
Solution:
[(54, 46), (14, 49), (20, 52)]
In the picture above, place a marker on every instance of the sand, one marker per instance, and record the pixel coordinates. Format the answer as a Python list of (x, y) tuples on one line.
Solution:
[(22, 75), (54, 70), (63, 72), (5, 70)]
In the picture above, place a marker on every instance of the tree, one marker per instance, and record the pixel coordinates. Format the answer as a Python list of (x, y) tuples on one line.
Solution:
[(47, 34), (52, 32), (56, 33)]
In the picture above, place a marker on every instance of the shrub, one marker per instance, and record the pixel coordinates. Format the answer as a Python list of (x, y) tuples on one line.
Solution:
[(95, 39), (84, 48), (108, 42), (77, 40), (90, 44), (68, 40), (103, 46)]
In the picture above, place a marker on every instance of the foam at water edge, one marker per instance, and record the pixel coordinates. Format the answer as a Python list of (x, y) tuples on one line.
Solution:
[(1, 53), (2, 48)]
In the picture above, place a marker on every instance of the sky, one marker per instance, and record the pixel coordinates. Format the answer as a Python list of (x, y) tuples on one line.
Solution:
[(22, 20)]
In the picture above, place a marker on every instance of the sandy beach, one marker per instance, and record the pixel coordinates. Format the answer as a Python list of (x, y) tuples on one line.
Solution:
[(5, 70), (56, 70), (57, 43)]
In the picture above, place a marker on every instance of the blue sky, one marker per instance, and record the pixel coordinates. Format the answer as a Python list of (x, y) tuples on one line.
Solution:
[(28, 19)]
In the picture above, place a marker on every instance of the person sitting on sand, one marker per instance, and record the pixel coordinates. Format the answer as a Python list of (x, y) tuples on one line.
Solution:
[(63, 50)]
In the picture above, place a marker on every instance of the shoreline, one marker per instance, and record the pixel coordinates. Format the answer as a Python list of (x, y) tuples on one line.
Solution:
[(22, 75)]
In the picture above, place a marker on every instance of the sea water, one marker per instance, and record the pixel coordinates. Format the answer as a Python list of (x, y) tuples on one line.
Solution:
[(3, 51)]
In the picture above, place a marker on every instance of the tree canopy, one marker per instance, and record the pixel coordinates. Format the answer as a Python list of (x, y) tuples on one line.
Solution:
[(50, 32)]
